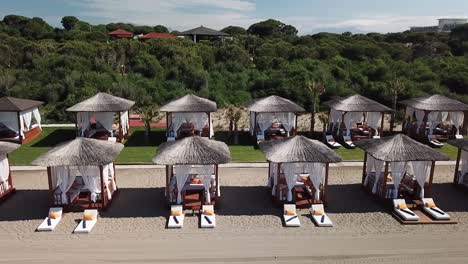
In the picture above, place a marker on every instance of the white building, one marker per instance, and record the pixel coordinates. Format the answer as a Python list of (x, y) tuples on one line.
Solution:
[(445, 25)]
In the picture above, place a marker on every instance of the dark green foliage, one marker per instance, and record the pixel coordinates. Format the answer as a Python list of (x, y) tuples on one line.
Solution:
[(65, 66)]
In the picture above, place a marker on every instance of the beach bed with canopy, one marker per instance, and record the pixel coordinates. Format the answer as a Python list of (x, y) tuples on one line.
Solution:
[(81, 173), (6, 182), (188, 116), (273, 117), (401, 169), (298, 170), (192, 178), (20, 120), (461, 167), (434, 119), (96, 117), (355, 117)]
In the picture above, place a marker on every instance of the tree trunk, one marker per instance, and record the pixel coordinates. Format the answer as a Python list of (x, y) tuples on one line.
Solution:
[(147, 129), (236, 135)]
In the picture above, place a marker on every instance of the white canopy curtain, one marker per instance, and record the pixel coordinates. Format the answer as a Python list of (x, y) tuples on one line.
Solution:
[(264, 121), (409, 112), (211, 126), (464, 167), (290, 174), (434, 118), (351, 118), (37, 116), (106, 119), (370, 166), (198, 119), (374, 120), (378, 165), (457, 118), (83, 121), (10, 120), (63, 179), (206, 172), (288, 120), (27, 118), (419, 118), (421, 170), (398, 170), (317, 175), (124, 122), (252, 123), (182, 173), (92, 180), (4, 171), (108, 177), (274, 174), (335, 117)]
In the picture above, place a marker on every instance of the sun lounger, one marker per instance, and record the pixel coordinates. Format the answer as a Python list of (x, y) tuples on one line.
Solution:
[(207, 217), (176, 218), (52, 219), (319, 217), (291, 219), (376, 137), (458, 136), (348, 141), (430, 208), (434, 141), (330, 141), (399, 205), (88, 222)]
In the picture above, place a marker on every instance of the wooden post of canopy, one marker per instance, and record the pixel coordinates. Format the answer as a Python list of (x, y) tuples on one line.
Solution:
[(269, 172), (209, 125), (49, 177), (457, 166), (382, 124), (364, 169), (103, 191), (10, 179), (340, 131), (278, 194), (168, 172), (431, 178), (217, 181), (76, 124), (121, 135), (20, 131), (325, 187), (255, 125), (384, 182), (295, 125)]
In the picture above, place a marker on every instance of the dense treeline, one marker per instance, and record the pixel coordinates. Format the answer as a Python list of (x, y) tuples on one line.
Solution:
[(64, 66)]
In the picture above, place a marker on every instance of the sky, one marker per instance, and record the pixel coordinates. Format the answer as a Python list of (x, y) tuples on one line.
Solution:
[(308, 16)]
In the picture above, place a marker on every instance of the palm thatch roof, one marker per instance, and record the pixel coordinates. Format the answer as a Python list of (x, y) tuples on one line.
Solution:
[(12, 104), (190, 103), (459, 143), (102, 102), (357, 103), (435, 103), (399, 148), (274, 104), (192, 150), (80, 152), (7, 147), (202, 31), (298, 149)]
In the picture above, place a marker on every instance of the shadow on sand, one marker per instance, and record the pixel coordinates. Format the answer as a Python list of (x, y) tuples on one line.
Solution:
[(25, 205)]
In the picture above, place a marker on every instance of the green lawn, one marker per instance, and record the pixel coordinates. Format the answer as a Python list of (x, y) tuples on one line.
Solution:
[(139, 149)]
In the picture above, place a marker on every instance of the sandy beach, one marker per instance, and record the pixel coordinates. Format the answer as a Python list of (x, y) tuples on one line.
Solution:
[(249, 228)]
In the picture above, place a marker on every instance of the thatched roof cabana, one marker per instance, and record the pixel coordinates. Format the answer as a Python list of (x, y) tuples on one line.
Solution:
[(399, 148), (12, 104), (459, 143), (7, 147), (461, 172), (80, 152), (274, 104), (435, 103), (189, 115), (357, 103), (192, 150), (189, 103), (102, 107), (102, 102), (298, 156), (298, 149), (397, 155)]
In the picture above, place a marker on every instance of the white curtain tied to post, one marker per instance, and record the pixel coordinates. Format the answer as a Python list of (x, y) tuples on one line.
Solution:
[(434, 118), (83, 121), (374, 120), (37, 116), (252, 123), (124, 122), (92, 180), (206, 171), (264, 121), (287, 120), (27, 118), (63, 179), (335, 117), (177, 120), (4, 171), (457, 118), (199, 120), (182, 174), (290, 174), (108, 178), (421, 170), (211, 126), (351, 118), (10, 120), (419, 118), (274, 174), (464, 167), (106, 119), (398, 170), (378, 165), (370, 166), (316, 173)]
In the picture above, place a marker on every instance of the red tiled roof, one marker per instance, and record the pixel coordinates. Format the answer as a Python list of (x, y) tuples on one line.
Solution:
[(121, 33), (154, 35)]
